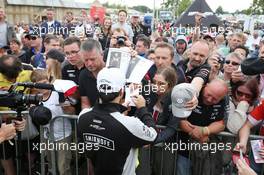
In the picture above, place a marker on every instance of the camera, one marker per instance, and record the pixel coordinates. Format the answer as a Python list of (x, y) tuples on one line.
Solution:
[(16, 99), (221, 59), (121, 40)]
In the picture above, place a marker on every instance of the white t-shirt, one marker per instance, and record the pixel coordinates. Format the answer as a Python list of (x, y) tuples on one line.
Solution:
[(252, 41), (62, 126), (3, 34)]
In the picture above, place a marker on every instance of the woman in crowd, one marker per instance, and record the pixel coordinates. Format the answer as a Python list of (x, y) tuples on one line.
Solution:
[(54, 58), (244, 95), (160, 101), (105, 33), (15, 47)]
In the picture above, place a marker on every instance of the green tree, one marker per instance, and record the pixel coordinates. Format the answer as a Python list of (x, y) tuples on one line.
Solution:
[(257, 7), (219, 10), (177, 6), (183, 5), (247, 11), (142, 8)]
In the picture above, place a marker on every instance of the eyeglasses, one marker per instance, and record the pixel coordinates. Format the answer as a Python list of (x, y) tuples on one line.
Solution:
[(72, 53), (232, 62), (240, 93)]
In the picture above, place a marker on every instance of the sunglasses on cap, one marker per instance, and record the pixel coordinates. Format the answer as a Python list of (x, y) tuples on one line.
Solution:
[(232, 62)]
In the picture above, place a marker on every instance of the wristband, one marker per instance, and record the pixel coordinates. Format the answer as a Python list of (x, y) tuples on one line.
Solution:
[(201, 129), (208, 131)]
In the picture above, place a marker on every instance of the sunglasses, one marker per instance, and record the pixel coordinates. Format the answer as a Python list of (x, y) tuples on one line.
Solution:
[(240, 93), (232, 62)]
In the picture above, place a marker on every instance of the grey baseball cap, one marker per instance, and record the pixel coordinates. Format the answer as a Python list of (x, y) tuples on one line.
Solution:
[(181, 94)]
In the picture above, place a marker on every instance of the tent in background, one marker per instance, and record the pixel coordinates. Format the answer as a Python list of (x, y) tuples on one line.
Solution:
[(198, 6)]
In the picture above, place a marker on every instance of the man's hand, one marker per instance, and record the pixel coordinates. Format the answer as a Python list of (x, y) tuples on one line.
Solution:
[(204, 139), (241, 146), (139, 101), (133, 52), (198, 19), (20, 125), (244, 169), (197, 133), (128, 43), (7, 132), (190, 105), (237, 76), (4, 88)]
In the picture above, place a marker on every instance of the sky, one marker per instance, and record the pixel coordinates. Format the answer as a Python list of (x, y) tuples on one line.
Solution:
[(228, 5)]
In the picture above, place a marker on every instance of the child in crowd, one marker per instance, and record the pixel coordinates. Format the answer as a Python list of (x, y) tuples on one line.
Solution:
[(62, 129)]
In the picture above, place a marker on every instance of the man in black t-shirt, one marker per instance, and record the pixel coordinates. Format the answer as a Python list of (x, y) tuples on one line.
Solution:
[(196, 69), (92, 56), (206, 120), (71, 48), (74, 66)]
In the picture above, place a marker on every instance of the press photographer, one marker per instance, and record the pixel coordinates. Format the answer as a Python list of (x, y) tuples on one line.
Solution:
[(119, 39), (10, 72)]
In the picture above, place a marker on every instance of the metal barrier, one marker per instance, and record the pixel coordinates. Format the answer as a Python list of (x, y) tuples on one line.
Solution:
[(9, 145), (75, 139), (159, 148)]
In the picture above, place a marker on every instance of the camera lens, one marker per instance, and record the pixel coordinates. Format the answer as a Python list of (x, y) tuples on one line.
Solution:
[(33, 99), (121, 40)]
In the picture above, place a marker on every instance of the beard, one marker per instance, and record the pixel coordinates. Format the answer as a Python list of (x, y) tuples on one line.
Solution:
[(195, 64)]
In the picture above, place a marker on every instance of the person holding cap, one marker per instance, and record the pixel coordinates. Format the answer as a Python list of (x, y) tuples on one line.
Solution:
[(206, 120), (54, 58), (112, 135)]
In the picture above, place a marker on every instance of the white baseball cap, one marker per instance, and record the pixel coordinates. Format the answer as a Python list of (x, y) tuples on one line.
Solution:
[(181, 94), (110, 80)]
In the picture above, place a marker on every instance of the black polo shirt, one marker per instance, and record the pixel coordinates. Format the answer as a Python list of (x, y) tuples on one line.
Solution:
[(202, 71), (71, 72), (203, 116), (87, 86)]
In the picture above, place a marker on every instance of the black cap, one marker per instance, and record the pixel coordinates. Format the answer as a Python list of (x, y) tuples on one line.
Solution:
[(56, 55), (253, 66)]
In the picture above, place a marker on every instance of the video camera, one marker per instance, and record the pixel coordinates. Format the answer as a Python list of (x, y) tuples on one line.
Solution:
[(15, 99), (18, 101)]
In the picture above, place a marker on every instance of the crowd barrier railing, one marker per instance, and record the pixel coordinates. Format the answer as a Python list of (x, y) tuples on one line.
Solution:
[(75, 162)]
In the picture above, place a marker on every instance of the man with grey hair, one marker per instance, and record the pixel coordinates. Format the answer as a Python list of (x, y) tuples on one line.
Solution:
[(92, 56), (7, 32)]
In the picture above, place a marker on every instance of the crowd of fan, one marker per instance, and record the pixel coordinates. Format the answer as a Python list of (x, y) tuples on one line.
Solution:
[(226, 99)]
